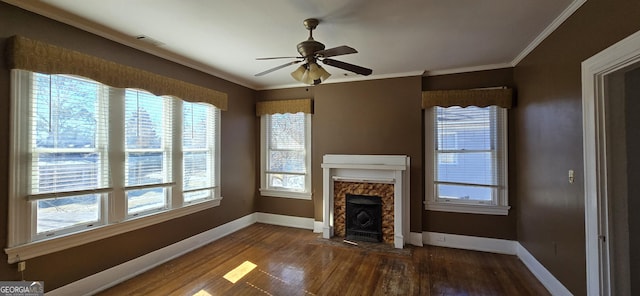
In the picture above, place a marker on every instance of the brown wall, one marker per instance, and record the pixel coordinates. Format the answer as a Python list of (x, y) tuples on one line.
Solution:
[(366, 117), (493, 226), (548, 128), (238, 156)]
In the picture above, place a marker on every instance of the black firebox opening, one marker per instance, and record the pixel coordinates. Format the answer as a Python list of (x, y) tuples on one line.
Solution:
[(363, 218)]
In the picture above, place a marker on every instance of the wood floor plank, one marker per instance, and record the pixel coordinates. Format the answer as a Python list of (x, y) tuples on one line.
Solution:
[(298, 262)]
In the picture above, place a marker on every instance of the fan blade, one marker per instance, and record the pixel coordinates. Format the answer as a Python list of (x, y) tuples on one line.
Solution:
[(349, 67), (275, 58), (277, 68), (336, 51)]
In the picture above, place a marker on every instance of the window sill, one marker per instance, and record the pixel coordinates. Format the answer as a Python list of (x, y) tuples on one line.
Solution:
[(467, 208), (44, 247), (285, 194)]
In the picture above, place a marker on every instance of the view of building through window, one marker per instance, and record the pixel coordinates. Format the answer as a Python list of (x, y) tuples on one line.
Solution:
[(466, 141)]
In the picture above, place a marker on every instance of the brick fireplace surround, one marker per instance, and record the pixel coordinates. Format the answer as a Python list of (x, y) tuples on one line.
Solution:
[(386, 176)]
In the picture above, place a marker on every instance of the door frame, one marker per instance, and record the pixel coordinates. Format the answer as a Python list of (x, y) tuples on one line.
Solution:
[(594, 71)]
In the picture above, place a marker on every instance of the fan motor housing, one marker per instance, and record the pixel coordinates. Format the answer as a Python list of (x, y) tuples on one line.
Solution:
[(309, 47)]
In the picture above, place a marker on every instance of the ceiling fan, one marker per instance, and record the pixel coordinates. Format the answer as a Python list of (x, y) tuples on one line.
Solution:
[(311, 52)]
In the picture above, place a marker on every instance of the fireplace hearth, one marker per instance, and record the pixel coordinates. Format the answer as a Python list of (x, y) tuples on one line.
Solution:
[(363, 218)]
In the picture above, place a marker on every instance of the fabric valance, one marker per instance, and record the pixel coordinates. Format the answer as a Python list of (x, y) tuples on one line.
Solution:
[(41, 57), (284, 106), (502, 97)]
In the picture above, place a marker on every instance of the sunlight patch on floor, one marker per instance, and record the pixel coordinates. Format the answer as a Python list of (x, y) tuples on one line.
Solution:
[(202, 293), (237, 273)]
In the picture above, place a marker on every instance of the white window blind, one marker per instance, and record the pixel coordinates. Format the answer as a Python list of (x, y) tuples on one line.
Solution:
[(468, 157), (68, 140), (148, 124), (84, 154), (198, 145), (286, 155)]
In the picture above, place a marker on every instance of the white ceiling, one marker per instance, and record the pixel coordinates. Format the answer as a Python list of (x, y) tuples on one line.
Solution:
[(394, 38)]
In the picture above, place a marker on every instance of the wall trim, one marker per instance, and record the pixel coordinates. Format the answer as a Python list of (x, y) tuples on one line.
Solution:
[(113, 276), (467, 69), (500, 246), (548, 30), (474, 243), (317, 226), (282, 220), (415, 238), (596, 179), (553, 285), (120, 273)]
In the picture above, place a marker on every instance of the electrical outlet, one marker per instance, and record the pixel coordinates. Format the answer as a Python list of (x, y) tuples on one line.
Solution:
[(22, 265), (440, 238)]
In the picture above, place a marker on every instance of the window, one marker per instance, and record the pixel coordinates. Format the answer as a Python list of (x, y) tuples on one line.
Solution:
[(199, 146), (466, 149), (148, 143), (86, 156), (286, 156)]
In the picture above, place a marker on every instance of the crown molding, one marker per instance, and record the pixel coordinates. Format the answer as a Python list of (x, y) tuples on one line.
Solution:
[(548, 30), (83, 24), (62, 16)]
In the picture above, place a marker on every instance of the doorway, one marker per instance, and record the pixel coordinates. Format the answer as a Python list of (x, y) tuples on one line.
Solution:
[(611, 121)]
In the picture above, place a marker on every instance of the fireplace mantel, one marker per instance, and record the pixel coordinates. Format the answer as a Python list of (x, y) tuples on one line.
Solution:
[(389, 169)]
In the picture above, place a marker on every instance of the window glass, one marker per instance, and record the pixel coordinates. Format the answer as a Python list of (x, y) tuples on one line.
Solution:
[(286, 155), (468, 155), (68, 139), (148, 150), (85, 154), (286, 152), (198, 142)]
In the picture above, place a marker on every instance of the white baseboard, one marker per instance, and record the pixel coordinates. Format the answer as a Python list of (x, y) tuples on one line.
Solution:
[(415, 238), (499, 246), (475, 243), (545, 277), (117, 274), (282, 220)]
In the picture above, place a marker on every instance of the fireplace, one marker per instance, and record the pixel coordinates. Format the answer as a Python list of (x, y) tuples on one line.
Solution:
[(363, 218), (386, 176)]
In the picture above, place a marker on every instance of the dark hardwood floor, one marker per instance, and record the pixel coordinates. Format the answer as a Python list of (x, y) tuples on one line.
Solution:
[(291, 261)]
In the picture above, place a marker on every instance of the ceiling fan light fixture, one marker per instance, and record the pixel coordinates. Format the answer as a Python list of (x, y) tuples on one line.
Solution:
[(324, 75), (308, 79), (298, 74), (311, 53), (317, 74), (314, 71)]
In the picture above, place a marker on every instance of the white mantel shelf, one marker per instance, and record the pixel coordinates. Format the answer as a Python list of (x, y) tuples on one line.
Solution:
[(388, 169), (364, 166)]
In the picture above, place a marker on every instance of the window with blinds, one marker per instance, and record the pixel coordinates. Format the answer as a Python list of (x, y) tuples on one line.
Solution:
[(85, 154), (468, 155), (68, 156), (286, 151), (199, 146), (148, 143)]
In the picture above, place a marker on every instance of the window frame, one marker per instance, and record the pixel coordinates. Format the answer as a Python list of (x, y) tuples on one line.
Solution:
[(213, 159), (166, 148), (264, 156), (500, 204), (22, 243)]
